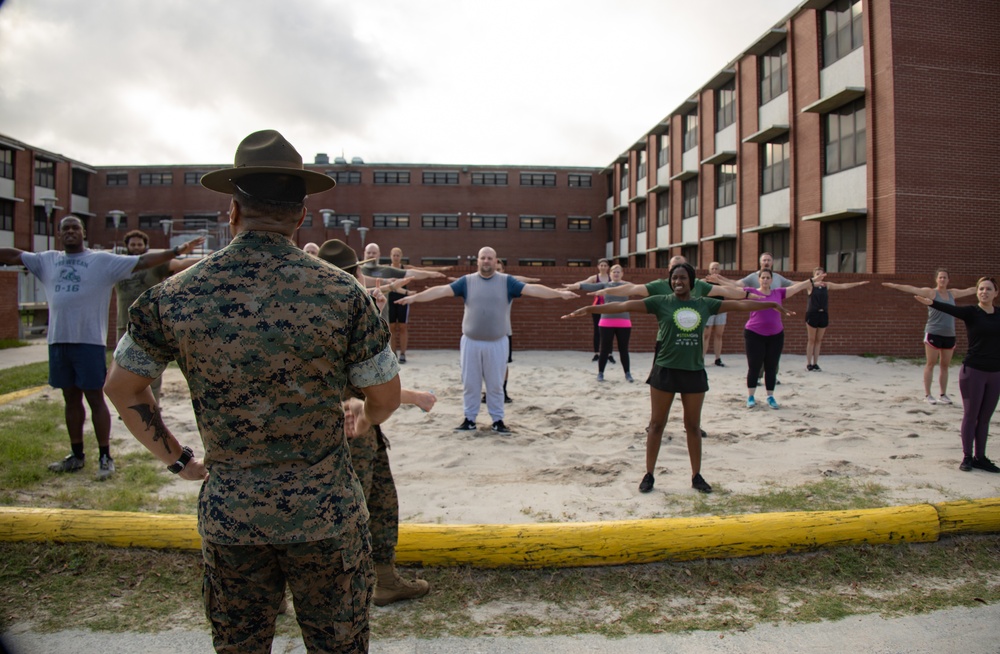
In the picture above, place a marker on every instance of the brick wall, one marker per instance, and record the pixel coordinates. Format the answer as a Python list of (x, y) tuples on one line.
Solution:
[(9, 316)]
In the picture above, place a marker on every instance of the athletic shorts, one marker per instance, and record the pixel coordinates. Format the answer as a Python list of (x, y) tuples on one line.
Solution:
[(940, 342), (398, 312), (818, 319), (717, 319), (672, 380), (77, 365)]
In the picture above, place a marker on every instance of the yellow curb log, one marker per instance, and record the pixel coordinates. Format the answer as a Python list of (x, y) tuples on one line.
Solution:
[(559, 544)]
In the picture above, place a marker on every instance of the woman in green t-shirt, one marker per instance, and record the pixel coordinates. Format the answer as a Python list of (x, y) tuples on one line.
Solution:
[(679, 367)]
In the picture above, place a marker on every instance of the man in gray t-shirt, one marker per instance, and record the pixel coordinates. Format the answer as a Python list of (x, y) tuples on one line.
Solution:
[(487, 294), (78, 284)]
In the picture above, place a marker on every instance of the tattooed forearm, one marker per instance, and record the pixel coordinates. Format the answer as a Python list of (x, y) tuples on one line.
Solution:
[(150, 416)]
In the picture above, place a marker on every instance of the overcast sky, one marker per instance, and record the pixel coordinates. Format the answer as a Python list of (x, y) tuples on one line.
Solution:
[(534, 82)]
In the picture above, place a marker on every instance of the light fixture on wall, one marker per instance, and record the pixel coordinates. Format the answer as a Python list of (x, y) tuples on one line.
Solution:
[(116, 218)]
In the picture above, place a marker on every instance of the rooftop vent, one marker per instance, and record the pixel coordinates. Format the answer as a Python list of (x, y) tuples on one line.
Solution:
[(340, 160), (357, 161), (322, 158)]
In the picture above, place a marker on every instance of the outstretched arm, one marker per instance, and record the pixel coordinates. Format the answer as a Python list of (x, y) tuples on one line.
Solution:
[(153, 259), (417, 273), (546, 293), (428, 295), (632, 306), (911, 290), (10, 256), (805, 283), (732, 292), (723, 281), (625, 289), (964, 292), (843, 286)]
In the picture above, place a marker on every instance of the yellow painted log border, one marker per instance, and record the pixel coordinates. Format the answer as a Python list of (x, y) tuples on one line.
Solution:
[(560, 544)]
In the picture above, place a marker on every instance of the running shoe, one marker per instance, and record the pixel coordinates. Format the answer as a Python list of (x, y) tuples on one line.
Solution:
[(982, 463), (751, 402), (628, 377), (966, 464), (930, 399), (506, 399), (944, 399), (467, 425), (600, 376), (809, 367), (816, 368), (402, 357), (703, 434), (596, 358), (70, 464), (105, 468), (646, 484), (484, 399), (500, 428), (611, 358), (719, 363), (771, 402), (698, 483)]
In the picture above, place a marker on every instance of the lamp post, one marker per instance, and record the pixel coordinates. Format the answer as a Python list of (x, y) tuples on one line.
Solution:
[(364, 233), (49, 205), (167, 225), (116, 217)]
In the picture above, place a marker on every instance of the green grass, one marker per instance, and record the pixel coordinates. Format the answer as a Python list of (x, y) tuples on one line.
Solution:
[(26, 376), (7, 343)]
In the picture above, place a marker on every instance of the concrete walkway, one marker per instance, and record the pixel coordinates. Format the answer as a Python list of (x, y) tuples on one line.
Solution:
[(19, 356)]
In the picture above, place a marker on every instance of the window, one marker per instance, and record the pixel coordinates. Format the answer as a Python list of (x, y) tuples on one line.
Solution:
[(7, 215), (80, 182), (109, 222), (845, 137), (842, 29), (536, 263), (623, 225), (640, 218), (691, 130), (391, 221), (640, 261), (336, 220), (579, 224), (45, 173), (773, 72), (439, 221), (6, 163), (690, 198), (777, 244), (152, 222), (439, 261), (538, 222), (156, 179), (774, 165), (640, 172), (663, 258), (691, 254), (662, 209), (489, 179), (725, 106), (663, 154), (440, 178), (844, 245), (349, 177), (725, 185), (41, 221), (578, 263), (392, 177), (580, 181), (623, 180), (193, 177), (486, 221), (308, 220), (116, 179), (725, 253), (538, 179)]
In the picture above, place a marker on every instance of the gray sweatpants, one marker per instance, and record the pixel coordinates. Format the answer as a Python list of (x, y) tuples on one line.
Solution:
[(483, 361)]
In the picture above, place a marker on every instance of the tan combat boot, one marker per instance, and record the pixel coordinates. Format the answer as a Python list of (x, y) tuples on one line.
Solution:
[(390, 587)]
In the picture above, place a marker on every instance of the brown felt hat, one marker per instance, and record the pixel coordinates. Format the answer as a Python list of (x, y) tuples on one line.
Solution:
[(340, 254), (266, 152)]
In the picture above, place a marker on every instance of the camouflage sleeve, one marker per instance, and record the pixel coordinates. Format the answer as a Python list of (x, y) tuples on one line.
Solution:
[(145, 328), (133, 358), (376, 370)]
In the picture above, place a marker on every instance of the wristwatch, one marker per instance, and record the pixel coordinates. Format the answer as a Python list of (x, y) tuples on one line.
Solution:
[(186, 455)]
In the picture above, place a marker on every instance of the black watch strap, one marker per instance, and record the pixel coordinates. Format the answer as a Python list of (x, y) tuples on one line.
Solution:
[(186, 455)]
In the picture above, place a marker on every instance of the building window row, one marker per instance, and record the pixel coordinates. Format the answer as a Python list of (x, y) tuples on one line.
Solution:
[(535, 223), (116, 179), (773, 72), (538, 179), (193, 177), (391, 221), (440, 178), (580, 181), (579, 224), (156, 179), (45, 173), (392, 177), (489, 179), (485, 221), (843, 29)]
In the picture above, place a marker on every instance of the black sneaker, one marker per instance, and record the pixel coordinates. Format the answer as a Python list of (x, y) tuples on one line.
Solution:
[(597, 357), (70, 464), (719, 363), (966, 464), (816, 368), (982, 463), (467, 425), (611, 359), (507, 400), (646, 484), (698, 483), (703, 434), (500, 428), (484, 399)]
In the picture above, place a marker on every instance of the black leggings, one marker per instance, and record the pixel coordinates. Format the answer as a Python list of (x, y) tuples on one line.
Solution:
[(597, 331), (608, 335), (766, 351)]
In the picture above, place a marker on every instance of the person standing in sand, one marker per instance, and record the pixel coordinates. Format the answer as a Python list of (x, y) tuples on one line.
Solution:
[(939, 332), (979, 379), (612, 326), (716, 325), (679, 367), (818, 315), (603, 276)]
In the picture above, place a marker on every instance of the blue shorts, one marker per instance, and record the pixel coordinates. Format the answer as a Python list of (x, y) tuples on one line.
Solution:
[(77, 365)]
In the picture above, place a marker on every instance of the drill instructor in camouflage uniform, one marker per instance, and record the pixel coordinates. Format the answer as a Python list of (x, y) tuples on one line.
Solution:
[(268, 338)]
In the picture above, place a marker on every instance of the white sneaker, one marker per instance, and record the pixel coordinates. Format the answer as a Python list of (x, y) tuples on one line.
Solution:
[(930, 399), (944, 399)]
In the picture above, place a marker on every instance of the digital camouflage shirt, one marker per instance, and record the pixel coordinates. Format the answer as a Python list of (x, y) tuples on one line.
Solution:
[(268, 338)]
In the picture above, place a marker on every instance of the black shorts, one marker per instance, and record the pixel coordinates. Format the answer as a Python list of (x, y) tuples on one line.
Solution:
[(818, 319), (940, 342), (398, 312), (672, 380)]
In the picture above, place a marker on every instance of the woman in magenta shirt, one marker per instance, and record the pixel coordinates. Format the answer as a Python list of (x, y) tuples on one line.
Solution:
[(764, 336)]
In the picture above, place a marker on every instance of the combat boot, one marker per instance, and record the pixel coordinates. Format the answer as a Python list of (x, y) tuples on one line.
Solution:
[(390, 587)]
